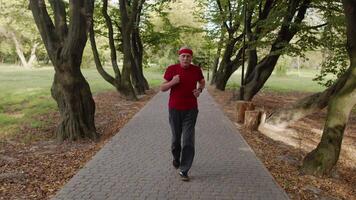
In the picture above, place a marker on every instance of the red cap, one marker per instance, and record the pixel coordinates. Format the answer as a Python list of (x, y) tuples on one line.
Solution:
[(185, 50)]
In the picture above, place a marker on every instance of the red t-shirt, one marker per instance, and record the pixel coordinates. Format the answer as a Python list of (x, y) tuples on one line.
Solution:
[(181, 96)]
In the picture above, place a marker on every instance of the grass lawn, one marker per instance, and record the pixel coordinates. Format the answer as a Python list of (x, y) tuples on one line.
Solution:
[(293, 81), (26, 93)]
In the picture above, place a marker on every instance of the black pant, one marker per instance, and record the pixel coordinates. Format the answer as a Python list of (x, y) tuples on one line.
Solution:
[(183, 123)]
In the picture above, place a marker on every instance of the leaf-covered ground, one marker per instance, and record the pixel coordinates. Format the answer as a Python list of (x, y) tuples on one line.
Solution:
[(284, 160), (37, 167)]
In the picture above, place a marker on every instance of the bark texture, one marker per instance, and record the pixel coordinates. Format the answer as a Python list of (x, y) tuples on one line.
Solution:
[(139, 80), (116, 80), (257, 76), (307, 105), (322, 160), (217, 57), (241, 108), (65, 45), (233, 49), (130, 81), (126, 33), (252, 119)]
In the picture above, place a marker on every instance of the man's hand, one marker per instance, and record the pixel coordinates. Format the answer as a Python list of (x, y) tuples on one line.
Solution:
[(197, 92), (168, 84), (175, 79)]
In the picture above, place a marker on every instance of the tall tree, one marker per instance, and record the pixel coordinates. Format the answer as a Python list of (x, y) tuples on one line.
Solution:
[(129, 14), (259, 72), (269, 24), (130, 81), (10, 35), (139, 81), (18, 30), (321, 160), (121, 81), (230, 16), (65, 44), (332, 38)]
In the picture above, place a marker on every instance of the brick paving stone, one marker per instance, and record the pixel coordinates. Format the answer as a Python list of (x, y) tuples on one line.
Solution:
[(136, 162)]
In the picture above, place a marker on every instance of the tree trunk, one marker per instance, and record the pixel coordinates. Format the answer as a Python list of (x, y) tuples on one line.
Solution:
[(19, 51), (258, 76), (33, 55), (241, 108), (127, 19), (217, 57), (322, 159), (107, 77), (215, 66), (252, 119), (137, 53), (11, 35), (65, 48), (138, 56), (76, 105), (223, 75), (307, 105), (228, 66), (113, 56), (252, 38), (125, 84), (138, 80), (121, 81)]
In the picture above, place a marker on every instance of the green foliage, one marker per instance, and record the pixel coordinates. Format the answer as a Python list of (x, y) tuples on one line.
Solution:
[(7, 51), (88, 58), (17, 18), (281, 69), (333, 40), (333, 66), (165, 60), (323, 29), (293, 81), (171, 26)]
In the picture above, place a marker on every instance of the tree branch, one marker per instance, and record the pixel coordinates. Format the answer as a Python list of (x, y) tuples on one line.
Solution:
[(123, 11), (316, 26), (111, 39), (45, 27), (81, 15), (60, 19), (223, 14), (98, 64)]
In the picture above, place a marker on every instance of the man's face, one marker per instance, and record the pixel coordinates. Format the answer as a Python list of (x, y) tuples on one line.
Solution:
[(185, 59)]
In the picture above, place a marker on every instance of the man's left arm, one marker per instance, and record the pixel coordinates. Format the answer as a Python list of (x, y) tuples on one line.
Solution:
[(201, 86)]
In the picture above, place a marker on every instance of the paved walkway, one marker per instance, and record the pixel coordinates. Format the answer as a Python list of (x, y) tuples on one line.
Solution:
[(136, 163)]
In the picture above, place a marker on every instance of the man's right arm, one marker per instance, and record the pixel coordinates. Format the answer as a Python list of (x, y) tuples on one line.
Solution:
[(168, 84)]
